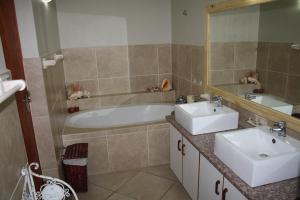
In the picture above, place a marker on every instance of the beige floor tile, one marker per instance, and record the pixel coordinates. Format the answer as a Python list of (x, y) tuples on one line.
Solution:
[(162, 171), (146, 187), (176, 192), (94, 193), (112, 181), (119, 197)]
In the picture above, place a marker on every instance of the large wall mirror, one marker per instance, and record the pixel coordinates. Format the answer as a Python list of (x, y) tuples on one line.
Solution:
[(253, 54)]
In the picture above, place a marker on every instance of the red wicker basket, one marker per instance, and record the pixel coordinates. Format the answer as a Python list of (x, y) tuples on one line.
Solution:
[(75, 166)]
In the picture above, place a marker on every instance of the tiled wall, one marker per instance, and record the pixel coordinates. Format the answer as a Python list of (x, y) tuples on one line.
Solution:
[(278, 66), (13, 154), (124, 148), (231, 61), (118, 69), (123, 99), (187, 65), (48, 109)]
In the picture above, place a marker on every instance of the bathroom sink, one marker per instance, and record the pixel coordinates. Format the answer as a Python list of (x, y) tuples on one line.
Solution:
[(274, 103), (204, 117), (258, 156)]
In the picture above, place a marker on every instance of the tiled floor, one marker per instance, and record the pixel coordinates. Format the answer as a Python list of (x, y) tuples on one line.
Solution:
[(152, 183)]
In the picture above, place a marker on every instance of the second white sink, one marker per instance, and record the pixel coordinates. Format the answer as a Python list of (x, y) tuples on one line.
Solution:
[(204, 117), (257, 156)]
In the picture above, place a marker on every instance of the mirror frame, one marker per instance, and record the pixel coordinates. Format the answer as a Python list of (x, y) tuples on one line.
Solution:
[(263, 111)]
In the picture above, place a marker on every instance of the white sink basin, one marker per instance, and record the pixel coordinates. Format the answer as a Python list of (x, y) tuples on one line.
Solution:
[(204, 117), (255, 158), (274, 103)]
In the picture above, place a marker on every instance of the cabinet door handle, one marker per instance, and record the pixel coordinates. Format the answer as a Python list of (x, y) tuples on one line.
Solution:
[(183, 145), (178, 145), (224, 194), (217, 187)]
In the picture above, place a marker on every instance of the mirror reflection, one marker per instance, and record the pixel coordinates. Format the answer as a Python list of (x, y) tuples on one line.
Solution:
[(255, 54)]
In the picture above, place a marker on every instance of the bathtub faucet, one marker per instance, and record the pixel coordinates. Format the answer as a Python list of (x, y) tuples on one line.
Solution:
[(181, 100)]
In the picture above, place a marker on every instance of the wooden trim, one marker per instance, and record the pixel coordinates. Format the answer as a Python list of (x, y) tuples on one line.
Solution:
[(14, 62), (234, 4), (266, 112)]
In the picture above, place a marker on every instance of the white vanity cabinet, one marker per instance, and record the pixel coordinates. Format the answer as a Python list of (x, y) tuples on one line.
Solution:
[(213, 186), (184, 161)]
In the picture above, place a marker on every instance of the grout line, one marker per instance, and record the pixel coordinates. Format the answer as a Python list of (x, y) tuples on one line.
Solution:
[(167, 190), (108, 157), (147, 141)]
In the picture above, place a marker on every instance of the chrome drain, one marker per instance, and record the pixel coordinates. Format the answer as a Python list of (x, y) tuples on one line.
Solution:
[(263, 155)]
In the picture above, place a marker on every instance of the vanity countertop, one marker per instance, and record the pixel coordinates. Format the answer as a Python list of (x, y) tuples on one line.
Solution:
[(284, 190)]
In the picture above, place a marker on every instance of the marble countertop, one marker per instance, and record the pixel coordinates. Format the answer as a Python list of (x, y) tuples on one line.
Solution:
[(284, 190)]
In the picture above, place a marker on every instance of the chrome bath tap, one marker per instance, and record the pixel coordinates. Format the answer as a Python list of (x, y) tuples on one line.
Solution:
[(217, 101), (280, 128), (250, 96)]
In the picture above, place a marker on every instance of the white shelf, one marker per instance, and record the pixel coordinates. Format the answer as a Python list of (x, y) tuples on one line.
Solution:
[(8, 88)]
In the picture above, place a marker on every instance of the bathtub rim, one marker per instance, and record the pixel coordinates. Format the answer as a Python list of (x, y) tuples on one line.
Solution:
[(73, 130)]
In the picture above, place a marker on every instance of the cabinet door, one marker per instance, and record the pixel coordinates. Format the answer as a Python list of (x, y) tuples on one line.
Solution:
[(175, 152), (230, 192), (190, 174), (210, 181)]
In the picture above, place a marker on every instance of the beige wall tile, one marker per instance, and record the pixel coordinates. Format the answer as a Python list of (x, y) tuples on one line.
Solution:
[(197, 89), (89, 85), (222, 77), (141, 83), (152, 127), (276, 84), (184, 87), (184, 68), (144, 98), (159, 148), (293, 89), (114, 85), (116, 100), (80, 64), (279, 57), (89, 103), (262, 77), (164, 59), (45, 142), (262, 55), (175, 49), (127, 151), (197, 64), (143, 60), (222, 55), (12, 149), (113, 61), (83, 135), (97, 154), (168, 96), (294, 64), (127, 130), (246, 54), (35, 83)]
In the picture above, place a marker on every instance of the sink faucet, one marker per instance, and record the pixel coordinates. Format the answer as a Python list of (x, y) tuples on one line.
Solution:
[(280, 128), (217, 101), (249, 96)]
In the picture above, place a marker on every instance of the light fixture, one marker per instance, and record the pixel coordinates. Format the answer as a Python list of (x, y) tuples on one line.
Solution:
[(46, 1)]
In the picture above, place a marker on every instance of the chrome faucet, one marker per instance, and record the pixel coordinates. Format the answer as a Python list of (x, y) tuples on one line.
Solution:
[(217, 101), (249, 96), (280, 128)]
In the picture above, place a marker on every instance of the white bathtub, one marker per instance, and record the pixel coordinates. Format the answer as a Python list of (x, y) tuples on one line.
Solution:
[(119, 116)]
